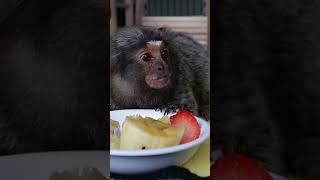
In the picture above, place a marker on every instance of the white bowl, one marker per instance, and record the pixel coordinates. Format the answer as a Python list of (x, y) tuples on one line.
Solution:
[(144, 161)]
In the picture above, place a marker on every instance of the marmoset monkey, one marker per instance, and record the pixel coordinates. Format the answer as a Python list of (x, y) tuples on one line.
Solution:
[(157, 68)]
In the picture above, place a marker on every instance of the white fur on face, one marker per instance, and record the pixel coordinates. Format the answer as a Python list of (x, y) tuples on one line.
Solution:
[(155, 43)]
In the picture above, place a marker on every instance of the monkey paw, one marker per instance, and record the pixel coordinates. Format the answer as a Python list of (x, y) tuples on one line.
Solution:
[(167, 109), (172, 108)]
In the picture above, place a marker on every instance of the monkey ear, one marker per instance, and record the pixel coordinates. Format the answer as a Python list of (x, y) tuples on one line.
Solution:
[(162, 28), (164, 31)]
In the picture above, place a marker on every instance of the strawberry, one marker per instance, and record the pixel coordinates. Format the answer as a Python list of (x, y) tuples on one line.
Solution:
[(238, 167), (186, 120)]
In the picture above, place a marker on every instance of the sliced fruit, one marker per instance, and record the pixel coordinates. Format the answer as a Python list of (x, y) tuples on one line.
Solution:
[(114, 134), (191, 127), (148, 133), (238, 167), (165, 119), (199, 164)]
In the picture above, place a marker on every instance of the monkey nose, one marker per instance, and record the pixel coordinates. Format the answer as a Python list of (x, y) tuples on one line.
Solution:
[(160, 68)]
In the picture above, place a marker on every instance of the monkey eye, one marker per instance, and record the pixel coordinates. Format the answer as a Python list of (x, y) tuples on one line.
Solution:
[(164, 53), (146, 57)]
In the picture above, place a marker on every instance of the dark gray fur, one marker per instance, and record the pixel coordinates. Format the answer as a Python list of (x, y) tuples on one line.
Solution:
[(189, 61), (267, 74), (53, 83)]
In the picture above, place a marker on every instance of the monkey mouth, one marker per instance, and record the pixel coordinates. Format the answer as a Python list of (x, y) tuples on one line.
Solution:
[(157, 82)]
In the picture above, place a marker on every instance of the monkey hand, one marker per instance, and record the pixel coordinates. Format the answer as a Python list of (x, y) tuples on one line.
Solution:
[(174, 107), (168, 108)]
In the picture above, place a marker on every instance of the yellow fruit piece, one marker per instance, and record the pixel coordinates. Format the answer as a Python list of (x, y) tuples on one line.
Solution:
[(199, 164), (148, 133), (165, 119), (114, 134)]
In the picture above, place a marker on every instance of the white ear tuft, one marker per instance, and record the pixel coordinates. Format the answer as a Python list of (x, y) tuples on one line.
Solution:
[(155, 43)]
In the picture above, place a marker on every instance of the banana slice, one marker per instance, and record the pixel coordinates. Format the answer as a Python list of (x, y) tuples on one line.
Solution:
[(148, 133), (165, 119), (114, 134)]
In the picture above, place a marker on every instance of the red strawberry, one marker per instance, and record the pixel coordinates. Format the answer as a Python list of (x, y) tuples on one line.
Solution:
[(185, 119), (238, 167)]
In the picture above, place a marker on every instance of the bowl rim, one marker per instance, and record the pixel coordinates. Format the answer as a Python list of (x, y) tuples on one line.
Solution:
[(204, 135)]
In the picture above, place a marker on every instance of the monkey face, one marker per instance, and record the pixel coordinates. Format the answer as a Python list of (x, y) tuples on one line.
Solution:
[(154, 59), (143, 60)]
